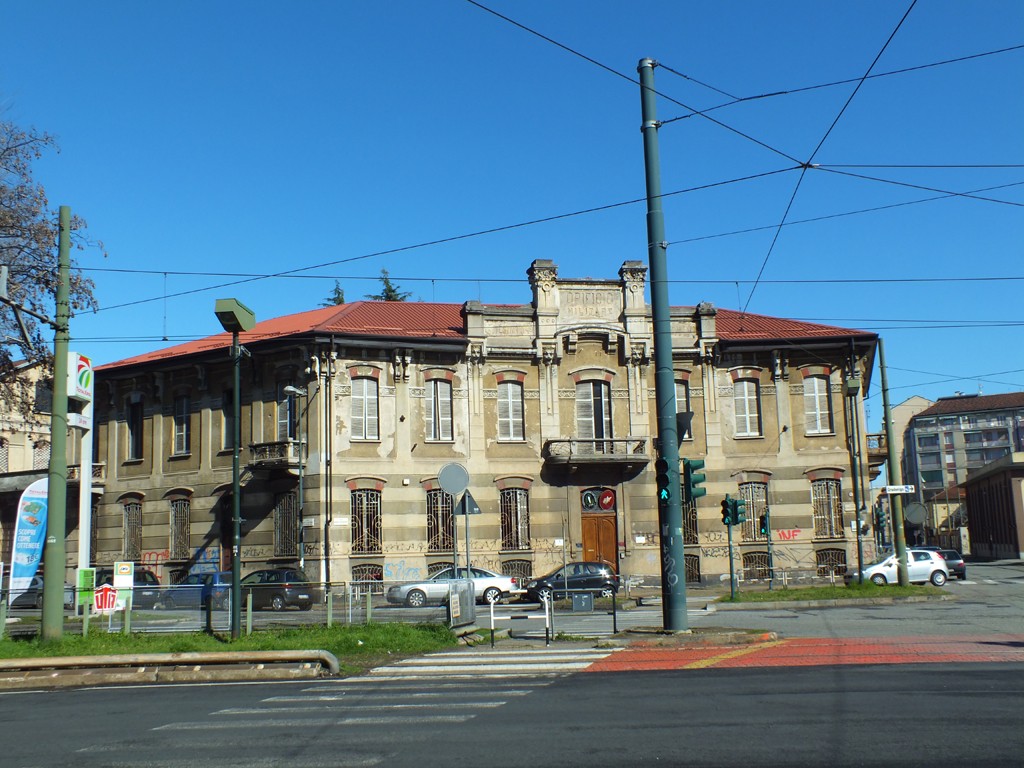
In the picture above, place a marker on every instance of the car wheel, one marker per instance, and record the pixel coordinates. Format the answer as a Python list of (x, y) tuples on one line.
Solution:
[(39, 599), (545, 594), (492, 595), (306, 607), (938, 578), (277, 603), (416, 599), (879, 579), (607, 591)]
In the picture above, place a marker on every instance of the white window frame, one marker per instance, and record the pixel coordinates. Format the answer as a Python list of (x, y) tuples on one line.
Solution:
[(746, 397), (182, 425), (287, 411), (817, 406), (683, 406), (437, 412), (365, 409), (510, 411), (593, 428)]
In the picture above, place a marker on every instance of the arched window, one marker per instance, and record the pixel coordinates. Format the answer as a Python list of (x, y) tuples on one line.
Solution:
[(826, 500), (132, 542), (515, 518), (181, 514), (830, 562), (756, 496), (439, 521), (286, 524), (366, 521), (755, 566)]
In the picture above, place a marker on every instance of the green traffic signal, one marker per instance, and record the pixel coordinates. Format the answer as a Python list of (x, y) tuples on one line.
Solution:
[(762, 525), (739, 511), (727, 511), (661, 478)]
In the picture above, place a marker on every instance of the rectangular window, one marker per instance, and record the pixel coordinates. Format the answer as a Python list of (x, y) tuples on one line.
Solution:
[(181, 511), (40, 454), (286, 524), (366, 521), (182, 425), (747, 401), (364, 409), (817, 406), (827, 502), (594, 416), (227, 420), (439, 521), (515, 519), (926, 442), (287, 410), (684, 414), (134, 424), (438, 410), (510, 411), (756, 496), (132, 544)]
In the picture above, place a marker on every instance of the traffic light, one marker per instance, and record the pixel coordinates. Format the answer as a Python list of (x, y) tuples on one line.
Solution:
[(739, 511), (692, 479), (661, 478), (726, 511), (762, 525)]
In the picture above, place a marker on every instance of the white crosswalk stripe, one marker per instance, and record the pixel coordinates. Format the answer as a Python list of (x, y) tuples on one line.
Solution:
[(492, 664)]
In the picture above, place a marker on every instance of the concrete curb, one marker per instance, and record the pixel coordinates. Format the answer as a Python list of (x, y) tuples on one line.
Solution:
[(783, 604)]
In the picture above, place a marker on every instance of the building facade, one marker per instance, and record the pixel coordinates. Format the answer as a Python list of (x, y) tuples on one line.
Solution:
[(349, 413)]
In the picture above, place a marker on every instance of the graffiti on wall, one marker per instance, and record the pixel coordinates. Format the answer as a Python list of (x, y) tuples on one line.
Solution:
[(203, 560)]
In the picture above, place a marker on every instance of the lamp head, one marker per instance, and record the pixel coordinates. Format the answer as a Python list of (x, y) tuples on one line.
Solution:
[(234, 316)]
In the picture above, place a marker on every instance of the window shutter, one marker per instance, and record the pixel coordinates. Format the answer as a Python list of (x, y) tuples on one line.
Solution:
[(516, 429), (429, 425), (444, 410), (371, 409), (504, 411), (359, 409), (585, 411)]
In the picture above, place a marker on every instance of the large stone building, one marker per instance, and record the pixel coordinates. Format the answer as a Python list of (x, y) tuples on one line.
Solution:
[(550, 406)]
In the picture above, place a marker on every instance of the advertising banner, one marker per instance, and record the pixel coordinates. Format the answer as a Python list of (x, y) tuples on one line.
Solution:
[(29, 536)]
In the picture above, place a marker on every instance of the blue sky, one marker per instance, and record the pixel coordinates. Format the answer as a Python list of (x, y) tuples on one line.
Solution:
[(253, 138)]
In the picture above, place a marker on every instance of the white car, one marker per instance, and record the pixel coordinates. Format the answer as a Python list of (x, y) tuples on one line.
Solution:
[(922, 566), (489, 587)]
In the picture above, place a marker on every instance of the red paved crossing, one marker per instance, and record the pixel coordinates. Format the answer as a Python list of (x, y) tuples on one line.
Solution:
[(804, 652)]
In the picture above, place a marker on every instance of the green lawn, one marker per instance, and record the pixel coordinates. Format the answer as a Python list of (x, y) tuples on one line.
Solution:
[(357, 647), (838, 592)]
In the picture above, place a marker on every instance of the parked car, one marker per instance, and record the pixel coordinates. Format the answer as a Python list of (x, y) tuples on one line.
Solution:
[(145, 593), (596, 578), (280, 588), (488, 587), (923, 565), (195, 589), (954, 563), (32, 597)]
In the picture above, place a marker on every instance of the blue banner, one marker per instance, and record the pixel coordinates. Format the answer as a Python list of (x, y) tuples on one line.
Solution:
[(29, 535)]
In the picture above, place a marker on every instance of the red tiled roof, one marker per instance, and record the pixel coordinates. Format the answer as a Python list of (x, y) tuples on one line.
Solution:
[(741, 326), (385, 319), (971, 403), (426, 320)]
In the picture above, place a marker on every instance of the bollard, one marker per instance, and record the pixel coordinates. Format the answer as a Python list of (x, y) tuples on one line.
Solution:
[(248, 612), (126, 628), (85, 620), (369, 605), (208, 610), (330, 608)]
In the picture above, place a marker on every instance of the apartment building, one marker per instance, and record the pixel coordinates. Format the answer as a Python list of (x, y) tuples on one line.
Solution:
[(349, 413)]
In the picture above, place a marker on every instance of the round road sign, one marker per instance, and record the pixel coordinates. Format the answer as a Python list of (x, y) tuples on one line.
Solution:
[(453, 478)]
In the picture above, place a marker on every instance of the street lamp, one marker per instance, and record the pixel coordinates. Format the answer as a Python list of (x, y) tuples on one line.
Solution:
[(290, 390), (235, 317)]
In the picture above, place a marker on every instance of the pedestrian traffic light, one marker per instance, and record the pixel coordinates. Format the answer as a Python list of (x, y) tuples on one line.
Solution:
[(692, 479), (762, 525), (727, 511), (661, 478)]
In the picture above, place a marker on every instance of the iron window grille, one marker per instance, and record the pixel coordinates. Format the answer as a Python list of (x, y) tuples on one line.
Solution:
[(826, 499), (435, 568), (756, 566), (181, 512), (830, 562), (368, 577), (518, 569), (515, 519), (756, 496), (132, 543), (366, 523), (439, 521), (286, 524), (689, 509), (691, 567)]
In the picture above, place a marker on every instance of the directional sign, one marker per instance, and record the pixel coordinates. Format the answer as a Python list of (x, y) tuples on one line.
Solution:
[(899, 489)]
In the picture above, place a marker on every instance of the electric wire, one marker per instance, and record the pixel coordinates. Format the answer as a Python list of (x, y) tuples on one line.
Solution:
[(922, 187)]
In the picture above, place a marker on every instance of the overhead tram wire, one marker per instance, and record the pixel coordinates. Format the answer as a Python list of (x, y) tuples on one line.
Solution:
[(810, 160), (632, 80), (923, 187), (845, 213), (445, 240), (803, 89)]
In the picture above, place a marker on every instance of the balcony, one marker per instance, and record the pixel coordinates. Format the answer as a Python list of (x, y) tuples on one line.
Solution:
[(878, 453), (99, 473), (282, 454), (628, 454)]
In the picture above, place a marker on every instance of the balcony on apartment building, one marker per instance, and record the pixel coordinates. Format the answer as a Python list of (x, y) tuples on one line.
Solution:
[(280, 454), (878, 453), (628, 454), (99, 473)]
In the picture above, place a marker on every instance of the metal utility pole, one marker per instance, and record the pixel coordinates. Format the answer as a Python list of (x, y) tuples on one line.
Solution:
[(670, 514), (893, 473), (54, 564)]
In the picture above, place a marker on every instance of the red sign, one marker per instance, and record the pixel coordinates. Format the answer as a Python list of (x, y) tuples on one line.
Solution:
[(606, 500), (106, 598)]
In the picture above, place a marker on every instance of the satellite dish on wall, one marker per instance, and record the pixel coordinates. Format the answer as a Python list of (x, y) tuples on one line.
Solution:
[(915, 513)]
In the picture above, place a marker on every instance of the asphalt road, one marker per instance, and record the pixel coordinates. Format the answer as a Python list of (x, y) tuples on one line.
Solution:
[(915, 715)]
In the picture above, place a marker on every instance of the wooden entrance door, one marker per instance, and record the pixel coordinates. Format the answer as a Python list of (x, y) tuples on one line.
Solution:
[(599, 540)]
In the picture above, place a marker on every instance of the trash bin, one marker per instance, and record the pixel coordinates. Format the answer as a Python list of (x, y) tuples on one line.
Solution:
[(582, 602)]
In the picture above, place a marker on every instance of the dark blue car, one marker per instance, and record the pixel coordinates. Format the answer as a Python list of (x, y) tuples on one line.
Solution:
[(196, 588)]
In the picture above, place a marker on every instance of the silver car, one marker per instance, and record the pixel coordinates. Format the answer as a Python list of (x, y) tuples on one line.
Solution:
[(489, 587), (922, 566)]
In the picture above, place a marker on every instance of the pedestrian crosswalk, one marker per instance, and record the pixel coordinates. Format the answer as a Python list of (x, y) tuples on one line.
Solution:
[(485, 663)]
